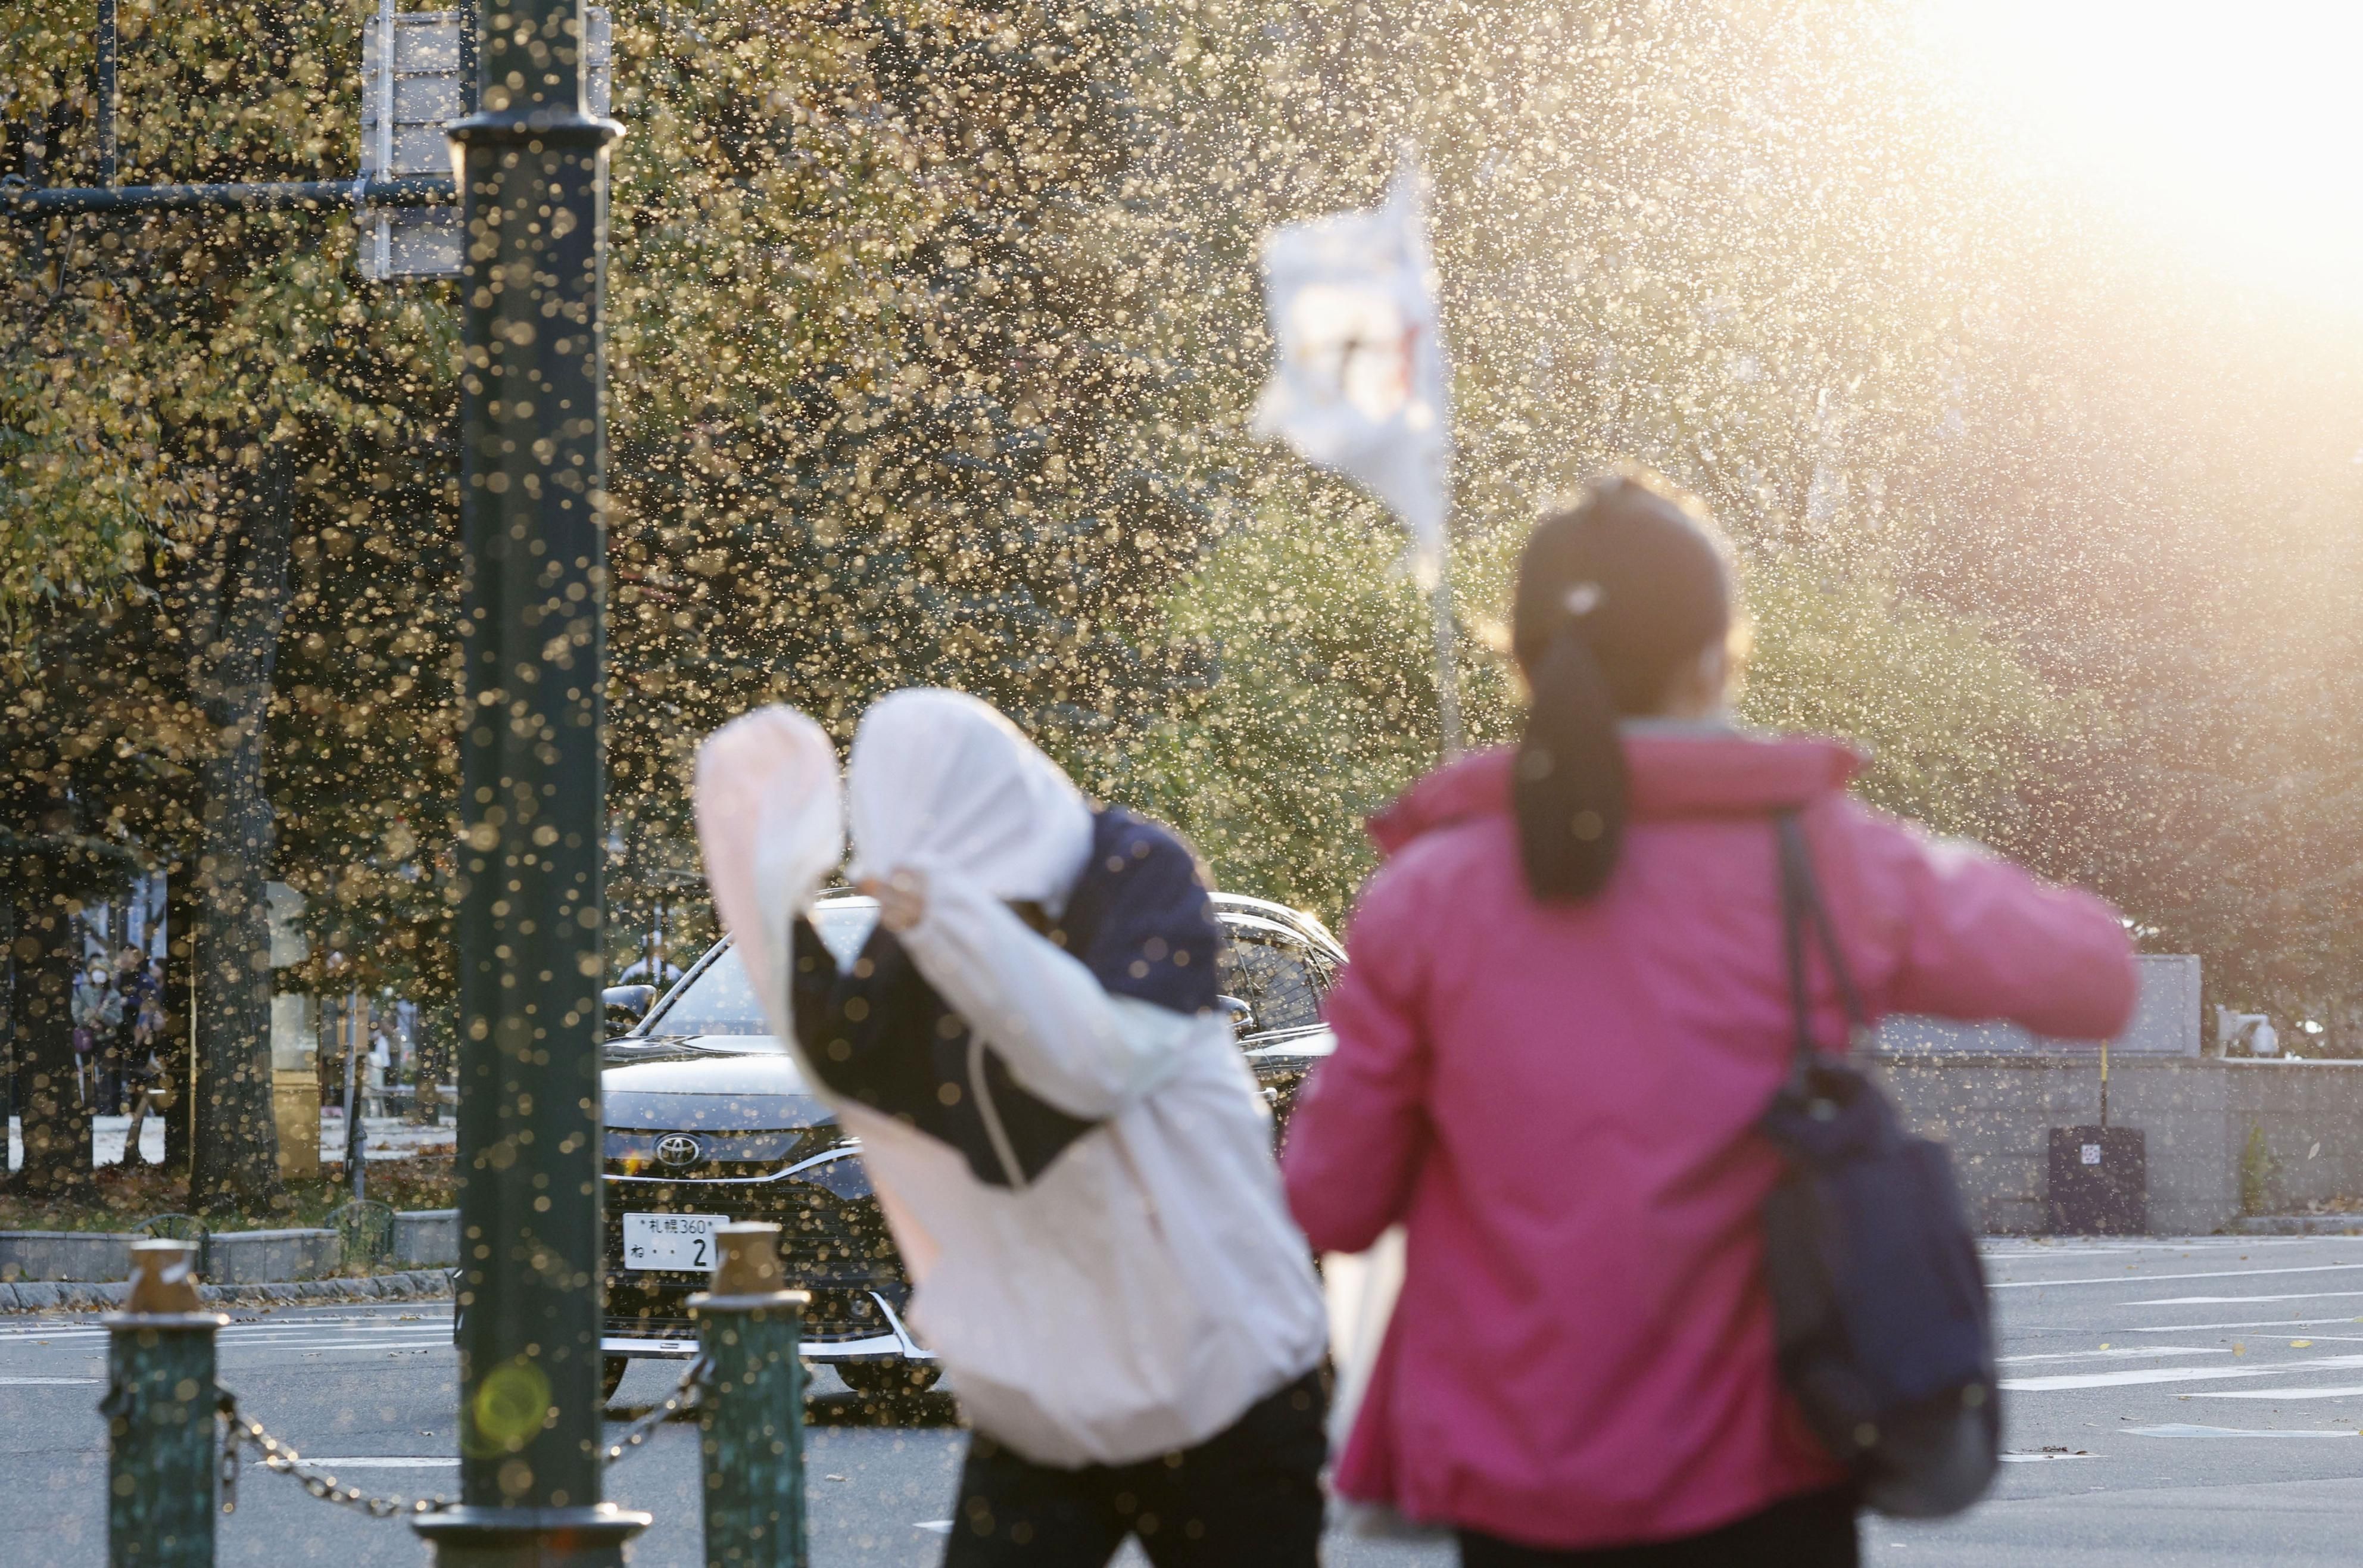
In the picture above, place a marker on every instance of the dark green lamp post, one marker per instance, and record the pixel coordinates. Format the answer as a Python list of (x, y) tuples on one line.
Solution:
[(532, 171)]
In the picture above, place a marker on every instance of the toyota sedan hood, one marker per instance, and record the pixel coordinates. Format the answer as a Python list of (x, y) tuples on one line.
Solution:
[(709, 1089)]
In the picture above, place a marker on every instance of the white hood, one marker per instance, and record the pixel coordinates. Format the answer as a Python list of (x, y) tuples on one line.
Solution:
[(941, 779)]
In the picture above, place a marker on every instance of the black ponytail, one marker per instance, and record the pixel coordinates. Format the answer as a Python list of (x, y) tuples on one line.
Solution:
[(1569, 787), (1614, 595)]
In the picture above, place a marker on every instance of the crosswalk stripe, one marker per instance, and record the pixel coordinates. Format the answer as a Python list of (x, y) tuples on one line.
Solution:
[(2184, 1430), (2170, 1279), (2173, 1375), (384, 1461), (249, 1334), (264, 1347), (2118, 1354), (50, 1382), (2247, 1323), (2243, 1300), (429, 1330)]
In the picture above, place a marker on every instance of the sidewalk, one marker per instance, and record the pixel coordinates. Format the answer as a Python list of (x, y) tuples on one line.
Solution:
[(389, 1138)]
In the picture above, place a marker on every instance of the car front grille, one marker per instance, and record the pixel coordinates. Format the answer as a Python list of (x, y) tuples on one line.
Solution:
[(835, 1246)]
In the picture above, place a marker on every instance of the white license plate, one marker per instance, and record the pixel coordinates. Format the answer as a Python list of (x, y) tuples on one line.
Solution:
[(683, 1242)]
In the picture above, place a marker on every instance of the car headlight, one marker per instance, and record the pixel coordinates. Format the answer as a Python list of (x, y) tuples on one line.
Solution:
[(843, 1177)]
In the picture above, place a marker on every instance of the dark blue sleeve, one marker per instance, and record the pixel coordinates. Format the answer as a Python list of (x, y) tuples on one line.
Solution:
[(1141, 922)]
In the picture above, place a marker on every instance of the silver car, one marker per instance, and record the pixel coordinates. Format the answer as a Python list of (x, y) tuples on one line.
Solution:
[(710, 1121)]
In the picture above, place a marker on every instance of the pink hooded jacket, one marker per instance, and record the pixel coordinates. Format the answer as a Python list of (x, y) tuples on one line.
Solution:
[(1558, 1102)]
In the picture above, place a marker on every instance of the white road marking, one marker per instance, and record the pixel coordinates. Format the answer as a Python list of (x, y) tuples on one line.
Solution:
[(319, 1325), (2249, 1323), (50, 1382), (2078, 1246), (441, 1331), (2299, 1341), (2169, 1279), (2171, 1375), (941, 1527), (2115, 1354), (336, 1337), (2182, 1430), (2282, 1393), (313, 1347), (249, 1332), (2038, 1458), (2239, 1300), (382, 1462)]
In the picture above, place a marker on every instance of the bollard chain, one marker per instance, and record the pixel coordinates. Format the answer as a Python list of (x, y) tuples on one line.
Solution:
[(240, 1432), (687, 1395)]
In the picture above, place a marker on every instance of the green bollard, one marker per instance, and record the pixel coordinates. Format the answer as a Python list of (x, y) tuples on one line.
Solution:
[(750, 1423), (162, 1426)]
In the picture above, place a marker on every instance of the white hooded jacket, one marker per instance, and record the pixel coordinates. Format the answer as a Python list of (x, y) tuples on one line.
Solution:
[(1113, 1274)]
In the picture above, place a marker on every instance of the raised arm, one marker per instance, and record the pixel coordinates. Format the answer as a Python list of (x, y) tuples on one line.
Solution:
[(771, 826), (1064, 1034), (1983, 938)]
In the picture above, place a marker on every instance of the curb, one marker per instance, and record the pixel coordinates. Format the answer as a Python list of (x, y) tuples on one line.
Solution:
[(2297, 1224), (417, 1285)]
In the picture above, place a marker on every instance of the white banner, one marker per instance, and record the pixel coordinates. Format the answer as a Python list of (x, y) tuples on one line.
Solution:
[(1360, 385)]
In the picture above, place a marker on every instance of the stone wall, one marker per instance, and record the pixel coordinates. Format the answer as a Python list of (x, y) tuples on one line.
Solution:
[(64, 1255), (2164, 1023), (1996, 1112), (269, 1257), (2310, 1117), (231, 1257), (426, 1236)]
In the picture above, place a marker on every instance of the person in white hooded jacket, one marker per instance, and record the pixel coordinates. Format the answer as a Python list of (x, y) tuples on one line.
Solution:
[(1069, 1150)]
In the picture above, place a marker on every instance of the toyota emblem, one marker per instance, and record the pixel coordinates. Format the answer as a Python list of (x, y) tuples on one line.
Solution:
[(679, 1149)]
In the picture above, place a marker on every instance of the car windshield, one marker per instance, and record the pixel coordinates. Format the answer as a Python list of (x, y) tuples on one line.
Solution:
[(720, 1000)]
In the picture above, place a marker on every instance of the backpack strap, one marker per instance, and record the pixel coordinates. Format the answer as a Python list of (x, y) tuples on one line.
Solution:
[(1801, 907)]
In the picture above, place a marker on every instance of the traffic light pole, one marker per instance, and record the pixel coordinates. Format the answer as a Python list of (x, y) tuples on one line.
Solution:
[(532, 172)]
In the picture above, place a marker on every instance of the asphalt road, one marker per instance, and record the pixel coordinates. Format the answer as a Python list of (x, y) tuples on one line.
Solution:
[(2169, 1402), (2195, 1402)]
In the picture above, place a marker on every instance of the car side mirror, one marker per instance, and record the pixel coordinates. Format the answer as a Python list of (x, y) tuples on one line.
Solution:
[(627, 1005), (1242, 1017)]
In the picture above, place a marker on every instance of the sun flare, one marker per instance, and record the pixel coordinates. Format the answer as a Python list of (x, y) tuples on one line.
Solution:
[(2229, 134)]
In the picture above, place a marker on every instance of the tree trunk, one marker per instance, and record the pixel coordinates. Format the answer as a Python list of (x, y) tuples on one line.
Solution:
[(235, 1161), (7, 1015), (56, 1121), (180, 915)]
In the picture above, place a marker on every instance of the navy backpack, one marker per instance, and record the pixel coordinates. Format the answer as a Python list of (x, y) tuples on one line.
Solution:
[(1878, 1299)]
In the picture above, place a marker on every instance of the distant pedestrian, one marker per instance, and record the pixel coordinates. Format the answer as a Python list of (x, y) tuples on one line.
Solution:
[(97, 1011), (124, 1057), (144, 1071), (379, 1063), (1566, 1008), (1065, 1140)]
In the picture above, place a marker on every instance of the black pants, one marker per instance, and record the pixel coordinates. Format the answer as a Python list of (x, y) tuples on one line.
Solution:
[(107, 1073), (1250, 1497), (1815, 1530)]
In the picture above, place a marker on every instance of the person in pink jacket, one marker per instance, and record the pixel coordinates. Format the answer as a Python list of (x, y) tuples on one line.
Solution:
[(1565, 1008)]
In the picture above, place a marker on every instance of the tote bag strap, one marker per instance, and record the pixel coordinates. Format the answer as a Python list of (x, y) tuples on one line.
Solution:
[(1801, 907)]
